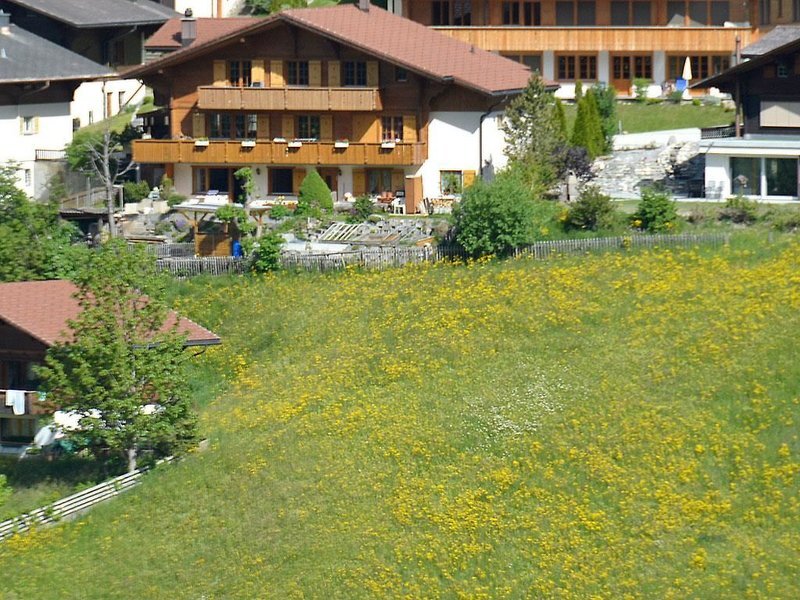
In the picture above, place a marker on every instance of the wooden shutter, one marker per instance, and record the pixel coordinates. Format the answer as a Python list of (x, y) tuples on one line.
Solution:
[(198, 125), (315, 73), (297, 179), (409, 128), (220, 73), (262, 128), (287, 128), (366, 128), (372, 73), (257, 72), (467, 179), (334, 73), (770, 71), (326, 127), (276, 74), (398, 180), (359, 182)]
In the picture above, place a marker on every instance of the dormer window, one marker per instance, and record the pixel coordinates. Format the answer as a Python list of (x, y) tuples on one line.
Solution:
[(354, 73), (297, 72)]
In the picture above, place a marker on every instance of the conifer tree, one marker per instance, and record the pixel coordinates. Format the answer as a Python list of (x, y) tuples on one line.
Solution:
[(561, 117)]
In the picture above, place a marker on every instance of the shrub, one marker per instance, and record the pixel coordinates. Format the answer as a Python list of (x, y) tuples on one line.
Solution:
[(279, 211), (363, 207), (496, 217), (133, 192), (591, 212), (5, 491), (169, 194), (266, 255), (640, 86), (785, 219), (315, 196), (739, 209), (656, 212)]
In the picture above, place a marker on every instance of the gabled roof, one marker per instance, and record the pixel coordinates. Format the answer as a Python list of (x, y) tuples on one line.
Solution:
[(42, 309), (770, 50), (26, 57), (779, 36), (383, 35), (168, 35), (100, 13)]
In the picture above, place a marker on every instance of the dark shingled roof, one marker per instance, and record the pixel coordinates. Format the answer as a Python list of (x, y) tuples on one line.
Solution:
[(780, 36), (25, 57), (386, 36), (100, 13), (42, 309)]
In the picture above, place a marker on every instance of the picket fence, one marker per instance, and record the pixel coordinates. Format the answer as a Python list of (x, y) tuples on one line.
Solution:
[(384, 257), (73, 505)]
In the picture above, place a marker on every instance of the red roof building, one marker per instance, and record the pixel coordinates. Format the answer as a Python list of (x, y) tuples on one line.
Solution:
[(376, 103)]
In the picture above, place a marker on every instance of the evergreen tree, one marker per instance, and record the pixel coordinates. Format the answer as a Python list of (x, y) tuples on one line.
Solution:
[(533, 134), (606, 98), (315, 195), (561, 117), (587, 131), (578, 91)]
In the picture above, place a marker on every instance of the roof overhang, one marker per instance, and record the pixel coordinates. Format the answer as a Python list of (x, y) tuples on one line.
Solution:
[(778, 146)]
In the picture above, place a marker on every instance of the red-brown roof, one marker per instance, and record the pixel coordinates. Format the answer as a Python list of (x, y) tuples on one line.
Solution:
[(42, 309), (384, 35), (168, 36)]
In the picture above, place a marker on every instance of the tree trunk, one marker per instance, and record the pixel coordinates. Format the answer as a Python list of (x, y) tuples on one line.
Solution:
[(131, 459), (108, 181)]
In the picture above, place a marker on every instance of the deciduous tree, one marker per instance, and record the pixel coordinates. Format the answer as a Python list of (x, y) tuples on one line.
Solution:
[(122, 370)]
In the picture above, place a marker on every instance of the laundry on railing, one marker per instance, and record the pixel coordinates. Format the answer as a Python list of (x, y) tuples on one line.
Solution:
[(16, 400)]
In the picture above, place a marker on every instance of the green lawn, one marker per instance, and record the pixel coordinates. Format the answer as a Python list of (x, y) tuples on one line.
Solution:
[(637, 117), (620, 425)]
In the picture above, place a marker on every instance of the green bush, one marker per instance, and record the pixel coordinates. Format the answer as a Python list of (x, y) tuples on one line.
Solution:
[(783, 218), (640, 86), (363, 207), (133, 192), (5, 491), (739, 209), (496, 217), (279, 211), (169, 194), (592, 211), (266, 254), (656, 212), (315, 196)]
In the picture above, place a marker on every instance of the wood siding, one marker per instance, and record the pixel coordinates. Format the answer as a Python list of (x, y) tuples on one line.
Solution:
[(316, 99), (277, 153)]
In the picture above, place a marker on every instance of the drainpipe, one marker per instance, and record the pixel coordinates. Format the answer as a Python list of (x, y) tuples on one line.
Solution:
[(480, 133)]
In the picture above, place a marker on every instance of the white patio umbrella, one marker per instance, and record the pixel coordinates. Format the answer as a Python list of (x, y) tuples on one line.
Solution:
[(687, 70)]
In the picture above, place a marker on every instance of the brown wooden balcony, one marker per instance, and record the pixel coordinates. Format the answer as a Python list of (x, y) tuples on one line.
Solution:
[(32, 405), (266, 152), (690, 40), (300, 99)]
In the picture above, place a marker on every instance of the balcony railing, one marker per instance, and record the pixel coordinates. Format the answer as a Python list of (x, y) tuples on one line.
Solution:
[(33, 405), (50, 155), (301, 99), (278, 153), (694, 40)]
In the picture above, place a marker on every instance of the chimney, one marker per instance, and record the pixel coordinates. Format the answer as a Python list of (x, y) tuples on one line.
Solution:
[(5, 21), (188, 28), (363, 5)]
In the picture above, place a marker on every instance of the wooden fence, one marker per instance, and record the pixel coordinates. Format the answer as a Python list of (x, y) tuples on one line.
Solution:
[(73, 505), (171, 250), (388, 257)]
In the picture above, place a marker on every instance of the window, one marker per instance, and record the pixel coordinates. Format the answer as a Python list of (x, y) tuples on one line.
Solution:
[(694, 13), (28, 176), (781, 175), (28, 125), (630, 12), (240, 73), (379, 181), (297, 72), (627, 68), (121, 99), (779, 114), (746, 176), (392, 129), (510, 13), (91, 117), (570, 13), (281, 181), (455, 12), (219, 125), (577, 67), (450, 182), (702, 66), (400, 75), (355, 73), (246, 126), (308, 127), (532, 61), (783, 71)]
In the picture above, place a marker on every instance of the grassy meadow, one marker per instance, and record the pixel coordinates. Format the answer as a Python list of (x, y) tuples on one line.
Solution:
[(612, 426), (637, 117)]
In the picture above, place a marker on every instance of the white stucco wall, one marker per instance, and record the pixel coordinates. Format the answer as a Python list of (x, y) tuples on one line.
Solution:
[(454, 145), (89, 101), (717, 176), (53, 131), (208, 8)]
